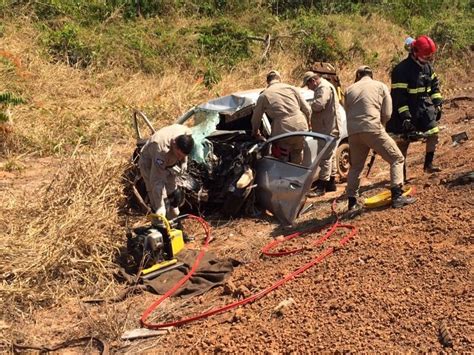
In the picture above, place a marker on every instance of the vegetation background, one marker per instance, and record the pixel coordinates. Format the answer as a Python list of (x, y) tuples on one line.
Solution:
[(71, 71)]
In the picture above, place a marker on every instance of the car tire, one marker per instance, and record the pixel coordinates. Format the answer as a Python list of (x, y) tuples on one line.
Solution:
[(343, 160)]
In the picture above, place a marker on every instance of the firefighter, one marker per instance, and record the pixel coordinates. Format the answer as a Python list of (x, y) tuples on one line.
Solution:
[(417, 100), (288, 112), (325, 119), (368, 107), (162, 158)]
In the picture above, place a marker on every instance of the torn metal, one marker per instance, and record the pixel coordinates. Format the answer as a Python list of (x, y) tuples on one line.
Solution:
[(229, 171)]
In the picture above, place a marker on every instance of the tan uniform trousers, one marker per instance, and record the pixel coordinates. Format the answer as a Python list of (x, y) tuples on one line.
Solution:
[(328, 167), (292, 149), (159, 184), (431, 143), (382, 144)]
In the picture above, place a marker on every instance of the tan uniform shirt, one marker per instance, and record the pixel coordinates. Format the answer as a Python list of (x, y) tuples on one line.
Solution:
[(155, 158), (285, 106), (368, 106), (325, 117)]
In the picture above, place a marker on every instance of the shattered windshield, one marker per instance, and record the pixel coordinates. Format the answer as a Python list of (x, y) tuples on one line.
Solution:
[(203, 123)]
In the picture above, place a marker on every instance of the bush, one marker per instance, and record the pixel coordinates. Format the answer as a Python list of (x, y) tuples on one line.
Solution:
[(7, 99), (403, 11), (64, 45), (224, 43), (211, 76), (294, 8), (146, 8), (322, 42), (453, 35)]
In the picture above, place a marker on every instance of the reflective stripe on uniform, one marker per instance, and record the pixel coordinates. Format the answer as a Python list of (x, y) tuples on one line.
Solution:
[(419, 90), (403, 109), (399, 86), (433, 75), (436, 95), (434, 130)]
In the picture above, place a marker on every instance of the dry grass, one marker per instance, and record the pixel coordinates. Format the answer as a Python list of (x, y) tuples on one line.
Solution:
[(61, 241), (67, 107)]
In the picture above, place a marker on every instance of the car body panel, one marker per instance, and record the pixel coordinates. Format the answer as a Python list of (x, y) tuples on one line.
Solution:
[(282, 186)]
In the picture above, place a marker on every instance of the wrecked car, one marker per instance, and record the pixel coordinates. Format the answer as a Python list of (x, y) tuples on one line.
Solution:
[(231, 172)]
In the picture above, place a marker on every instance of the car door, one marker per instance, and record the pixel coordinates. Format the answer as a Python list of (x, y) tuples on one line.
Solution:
[(282, 186)]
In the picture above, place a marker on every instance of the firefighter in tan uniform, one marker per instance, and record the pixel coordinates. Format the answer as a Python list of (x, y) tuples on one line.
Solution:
[(288, 111), (368, 107), (162, 157), (325, 119)]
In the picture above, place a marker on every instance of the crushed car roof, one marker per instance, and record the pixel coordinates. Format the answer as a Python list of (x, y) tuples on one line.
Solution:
[(241, 99)]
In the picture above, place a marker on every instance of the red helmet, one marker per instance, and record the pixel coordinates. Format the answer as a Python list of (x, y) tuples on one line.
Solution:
[(424, 48)]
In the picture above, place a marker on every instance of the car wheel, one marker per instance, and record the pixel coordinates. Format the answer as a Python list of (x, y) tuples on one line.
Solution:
[(343, 160)]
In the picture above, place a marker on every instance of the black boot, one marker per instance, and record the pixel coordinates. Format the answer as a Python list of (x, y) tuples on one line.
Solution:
[(351, 203), (319, 190), (398, 200), (331, 184), (428, 167)]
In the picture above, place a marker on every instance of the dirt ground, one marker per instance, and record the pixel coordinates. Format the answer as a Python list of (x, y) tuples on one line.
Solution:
[(405, 278)]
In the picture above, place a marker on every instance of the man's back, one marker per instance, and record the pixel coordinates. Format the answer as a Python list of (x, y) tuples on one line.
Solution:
[(282, 99), (285, 107), (368, 106)]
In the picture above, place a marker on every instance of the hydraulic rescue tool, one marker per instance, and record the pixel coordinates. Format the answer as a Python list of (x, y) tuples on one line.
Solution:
[(384, 198), (410, 136), (416, 135), (154, 247)]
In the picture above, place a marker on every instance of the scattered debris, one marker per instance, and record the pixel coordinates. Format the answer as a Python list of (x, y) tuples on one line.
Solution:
[(237, 316), (307, 207), (459, 138), (242, 292), (140, 333), (283, 306), (462, 179), (229, 288), (444, 336), (101, 345)]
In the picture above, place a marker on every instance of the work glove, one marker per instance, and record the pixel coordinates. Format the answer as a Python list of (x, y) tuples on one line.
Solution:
[(158, 222), (173, 213), (439, 111), (408, 126), (161, 210)]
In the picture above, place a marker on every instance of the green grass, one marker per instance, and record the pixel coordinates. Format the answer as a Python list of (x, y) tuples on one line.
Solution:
[(87, 34)]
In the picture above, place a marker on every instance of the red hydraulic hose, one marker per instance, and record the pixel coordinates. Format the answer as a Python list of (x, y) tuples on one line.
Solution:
[(266, 251)]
